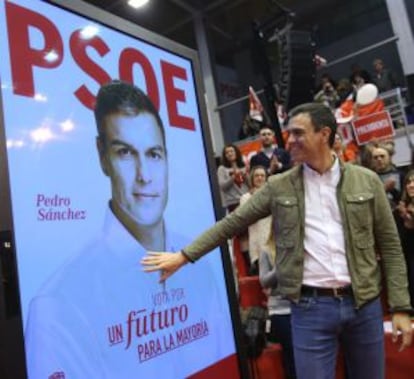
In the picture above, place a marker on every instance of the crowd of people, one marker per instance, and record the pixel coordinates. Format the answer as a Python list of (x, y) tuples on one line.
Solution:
[(333, 93)]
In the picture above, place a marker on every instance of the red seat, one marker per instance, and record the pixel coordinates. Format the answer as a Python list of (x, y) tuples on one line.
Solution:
[(269, 364), (240, 262), (250, 292)]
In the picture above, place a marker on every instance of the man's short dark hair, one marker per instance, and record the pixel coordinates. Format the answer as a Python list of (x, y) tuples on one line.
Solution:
[(320, 115), (118, 97)]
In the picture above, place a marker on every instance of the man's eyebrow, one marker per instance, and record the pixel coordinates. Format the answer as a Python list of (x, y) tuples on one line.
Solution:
[(294, 129), (120, 142), (157, 147)]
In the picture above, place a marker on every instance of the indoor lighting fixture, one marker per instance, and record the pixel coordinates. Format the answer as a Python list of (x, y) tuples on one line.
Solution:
[(137, 3)]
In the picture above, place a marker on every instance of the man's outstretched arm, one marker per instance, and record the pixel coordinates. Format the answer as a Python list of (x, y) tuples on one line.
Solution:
[(256, 208)]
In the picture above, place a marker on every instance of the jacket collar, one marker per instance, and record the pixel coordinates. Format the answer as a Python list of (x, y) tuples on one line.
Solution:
[(296, 176)]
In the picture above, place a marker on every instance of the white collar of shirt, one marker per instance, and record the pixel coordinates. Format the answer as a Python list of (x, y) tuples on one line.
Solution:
[(333, 174), (124, 244), (268, 151)]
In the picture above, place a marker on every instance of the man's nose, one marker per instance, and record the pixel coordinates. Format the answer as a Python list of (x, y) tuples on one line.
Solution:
[(290, 139), (143, 171)]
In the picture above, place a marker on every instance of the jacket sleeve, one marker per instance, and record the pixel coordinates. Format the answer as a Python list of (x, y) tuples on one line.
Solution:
[(389, 246), (258, 206), (244, 198)]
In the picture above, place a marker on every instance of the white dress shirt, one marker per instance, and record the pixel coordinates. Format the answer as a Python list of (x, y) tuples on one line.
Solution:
[(325, 261), (77, 325)]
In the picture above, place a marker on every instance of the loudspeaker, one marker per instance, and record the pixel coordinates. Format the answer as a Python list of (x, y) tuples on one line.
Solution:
[(297, 68)]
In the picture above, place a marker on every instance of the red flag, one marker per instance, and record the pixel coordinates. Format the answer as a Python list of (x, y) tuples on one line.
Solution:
[(255, 106)]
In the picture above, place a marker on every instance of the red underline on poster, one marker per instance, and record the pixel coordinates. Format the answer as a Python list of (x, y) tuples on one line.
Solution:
[(173, 348)]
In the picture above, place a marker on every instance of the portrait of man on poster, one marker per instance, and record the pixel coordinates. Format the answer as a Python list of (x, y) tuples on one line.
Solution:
[(99, 315)]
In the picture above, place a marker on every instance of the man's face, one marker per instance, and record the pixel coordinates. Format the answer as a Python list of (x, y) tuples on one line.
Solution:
[(134, 157), (259, 177), (305, 144), (328, 87), (378, 66), (380, 159), (267, 137)]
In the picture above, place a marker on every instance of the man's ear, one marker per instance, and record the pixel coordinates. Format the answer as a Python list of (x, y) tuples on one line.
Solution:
[(102, 156), (326, 133)]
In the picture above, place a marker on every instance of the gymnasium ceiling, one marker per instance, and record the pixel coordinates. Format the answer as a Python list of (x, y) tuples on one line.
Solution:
[(228, 22)]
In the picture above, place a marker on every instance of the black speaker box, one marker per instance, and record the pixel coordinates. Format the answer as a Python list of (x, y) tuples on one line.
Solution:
[(297, 68)]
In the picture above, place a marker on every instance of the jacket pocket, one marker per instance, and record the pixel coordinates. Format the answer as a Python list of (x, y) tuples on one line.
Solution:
[(283, 249), (287, 212), (359, 211), (286, 223)]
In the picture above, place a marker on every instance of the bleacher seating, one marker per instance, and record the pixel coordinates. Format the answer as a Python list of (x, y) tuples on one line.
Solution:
[(269, 364)]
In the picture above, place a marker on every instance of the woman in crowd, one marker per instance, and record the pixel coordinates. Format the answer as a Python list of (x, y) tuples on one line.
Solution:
[(259, 231), (232, 177), (406, 227), (233, 183), (279, 308)]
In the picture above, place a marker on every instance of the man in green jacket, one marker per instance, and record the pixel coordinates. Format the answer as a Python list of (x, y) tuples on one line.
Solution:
[(335, 239)]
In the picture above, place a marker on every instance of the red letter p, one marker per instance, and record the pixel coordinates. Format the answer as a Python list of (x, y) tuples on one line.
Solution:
[(23, 58)]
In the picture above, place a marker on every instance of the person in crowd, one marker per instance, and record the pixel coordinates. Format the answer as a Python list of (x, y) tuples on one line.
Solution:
[(273, 158), (233, 183), (89, 320), (325, 78), (345, 91), (388, 173), (278, 307), (359, 76), (232, 177), (384, 78), (406, 227), (250, 127), (259, 231), (327, 95), (330, 220), (365, 155), (342, 152)]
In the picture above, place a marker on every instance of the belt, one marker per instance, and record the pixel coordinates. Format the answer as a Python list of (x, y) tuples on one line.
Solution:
[(330, 292)]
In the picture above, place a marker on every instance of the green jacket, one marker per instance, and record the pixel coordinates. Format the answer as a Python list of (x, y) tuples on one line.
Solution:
[(368, 225)]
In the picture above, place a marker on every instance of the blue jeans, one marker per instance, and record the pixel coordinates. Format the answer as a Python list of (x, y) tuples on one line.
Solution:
[(321, 324)]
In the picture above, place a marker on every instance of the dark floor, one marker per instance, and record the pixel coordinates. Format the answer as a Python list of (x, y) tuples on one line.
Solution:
[(12, 364)]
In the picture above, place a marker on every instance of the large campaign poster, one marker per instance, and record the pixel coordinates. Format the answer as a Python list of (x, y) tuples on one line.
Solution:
[(88, 309)]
